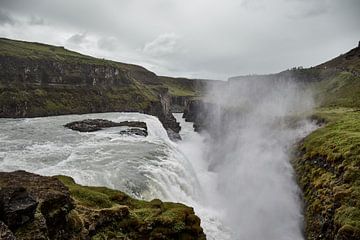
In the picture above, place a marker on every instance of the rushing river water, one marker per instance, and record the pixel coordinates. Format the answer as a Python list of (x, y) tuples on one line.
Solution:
[(151, 167), (144, 167)]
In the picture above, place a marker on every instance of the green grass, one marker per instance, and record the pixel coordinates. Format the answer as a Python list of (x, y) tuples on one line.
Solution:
[(171, 219), (37, 101), (340, 90), (40, 51), (182, 86), (329, 173)]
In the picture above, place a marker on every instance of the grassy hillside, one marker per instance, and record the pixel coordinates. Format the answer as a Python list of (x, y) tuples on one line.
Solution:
[(328, 163), (188, 87), (40, 51)]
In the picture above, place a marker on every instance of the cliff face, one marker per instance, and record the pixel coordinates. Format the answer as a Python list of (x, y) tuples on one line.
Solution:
[(38, 207), (41, 80), (51, 72)]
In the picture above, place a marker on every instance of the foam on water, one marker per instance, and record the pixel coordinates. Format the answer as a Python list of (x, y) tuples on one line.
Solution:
[(144, 167), (147, 168)]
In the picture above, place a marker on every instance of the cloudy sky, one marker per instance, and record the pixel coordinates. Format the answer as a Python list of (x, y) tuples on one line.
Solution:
[(191, 38)]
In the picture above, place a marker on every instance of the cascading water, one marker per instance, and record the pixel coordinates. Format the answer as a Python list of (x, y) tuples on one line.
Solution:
[(253, 126), (240, 184), (144, 167)]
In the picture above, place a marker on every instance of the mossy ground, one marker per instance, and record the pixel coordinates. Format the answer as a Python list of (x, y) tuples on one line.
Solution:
[(40, 51), (329, 173), (145, 220), (183, 87), (340, 90)]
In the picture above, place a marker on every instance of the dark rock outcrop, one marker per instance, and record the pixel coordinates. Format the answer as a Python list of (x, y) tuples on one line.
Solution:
[(199, 112), (30, 192), (17, 206), (178, 103), (92, 125), (66, 210)]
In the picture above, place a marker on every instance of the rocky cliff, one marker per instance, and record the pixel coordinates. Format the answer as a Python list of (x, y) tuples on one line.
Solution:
[(38, 207), (41, 80)]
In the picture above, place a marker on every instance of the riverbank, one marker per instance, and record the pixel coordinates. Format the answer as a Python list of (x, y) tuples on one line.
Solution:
[(327, 166)]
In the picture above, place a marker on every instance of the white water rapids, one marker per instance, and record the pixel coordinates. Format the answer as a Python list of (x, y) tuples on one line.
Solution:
[(149, 167), (144, 167)]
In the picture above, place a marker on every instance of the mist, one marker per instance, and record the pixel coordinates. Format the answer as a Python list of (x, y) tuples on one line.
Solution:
[(252, 125)]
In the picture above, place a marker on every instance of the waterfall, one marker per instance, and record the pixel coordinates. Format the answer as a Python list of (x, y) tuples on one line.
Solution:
[(240, 182)]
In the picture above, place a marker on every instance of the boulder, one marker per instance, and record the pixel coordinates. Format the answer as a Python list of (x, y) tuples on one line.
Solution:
[(16, 206), (23, 193)]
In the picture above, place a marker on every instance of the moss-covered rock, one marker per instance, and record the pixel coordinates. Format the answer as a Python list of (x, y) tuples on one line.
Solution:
[(328, 171), (67, 210)]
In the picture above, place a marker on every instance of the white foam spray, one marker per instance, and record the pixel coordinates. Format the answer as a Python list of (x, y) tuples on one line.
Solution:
[(254, 124)]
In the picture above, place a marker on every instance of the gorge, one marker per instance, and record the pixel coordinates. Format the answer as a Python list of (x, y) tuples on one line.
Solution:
[(268, 149)]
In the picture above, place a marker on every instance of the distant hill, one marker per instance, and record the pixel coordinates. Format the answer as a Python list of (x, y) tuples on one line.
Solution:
[(335, 82), (41, 80)]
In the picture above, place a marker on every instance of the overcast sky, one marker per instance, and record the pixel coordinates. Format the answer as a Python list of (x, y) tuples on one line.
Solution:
[(191, 38)]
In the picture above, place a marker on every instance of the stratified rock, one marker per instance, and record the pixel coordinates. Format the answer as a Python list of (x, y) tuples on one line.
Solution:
[(5, 233), (16, 206)]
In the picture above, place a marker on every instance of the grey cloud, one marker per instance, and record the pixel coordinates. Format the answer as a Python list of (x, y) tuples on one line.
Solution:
[(34, 20), (163, 45), (201, 38), (77, 39), (108, 43), (5, 18)]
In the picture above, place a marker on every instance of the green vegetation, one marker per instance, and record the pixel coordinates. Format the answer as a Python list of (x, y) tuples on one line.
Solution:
[(329, 173), (36, 101), (183, 87), (42, 80), (129, 217), (340, 90), (40, 51), (328, 162)]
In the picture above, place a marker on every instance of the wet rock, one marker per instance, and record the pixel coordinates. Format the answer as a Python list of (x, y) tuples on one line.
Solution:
[(16, 206), (134, 131), (135, 124), (5, 233), (92, 125), (174, 136)]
